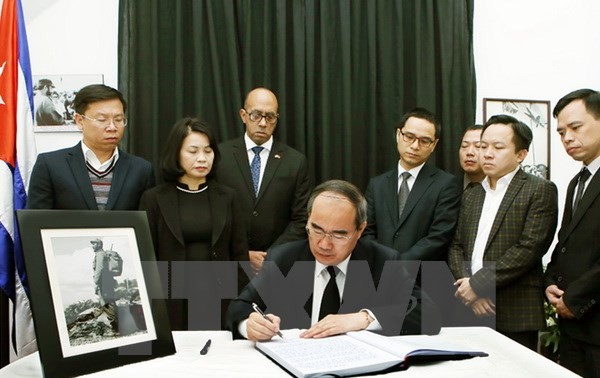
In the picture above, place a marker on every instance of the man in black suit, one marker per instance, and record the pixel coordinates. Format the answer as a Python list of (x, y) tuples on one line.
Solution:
[(573, 275), (94, 174), (271, 178), (414, 207), (334, 282)]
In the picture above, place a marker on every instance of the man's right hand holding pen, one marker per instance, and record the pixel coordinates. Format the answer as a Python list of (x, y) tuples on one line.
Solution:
[(261, 329)]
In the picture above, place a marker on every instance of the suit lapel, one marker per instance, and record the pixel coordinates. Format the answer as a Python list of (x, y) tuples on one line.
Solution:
[(423, 181), (477, 197), (119, 176), (514, 187), (167, 202), (391, 191), (218, 203), (569, 204), (275, 157), (590, 194), (240, 155), (76, 162)]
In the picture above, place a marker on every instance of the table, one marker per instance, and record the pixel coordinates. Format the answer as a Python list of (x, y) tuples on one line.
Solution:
[(229, 358)]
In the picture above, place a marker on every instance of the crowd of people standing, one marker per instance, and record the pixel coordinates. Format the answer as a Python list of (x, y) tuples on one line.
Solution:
[(251, 199)]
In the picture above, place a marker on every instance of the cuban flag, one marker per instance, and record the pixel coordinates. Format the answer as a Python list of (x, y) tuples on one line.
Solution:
[(17, 156)]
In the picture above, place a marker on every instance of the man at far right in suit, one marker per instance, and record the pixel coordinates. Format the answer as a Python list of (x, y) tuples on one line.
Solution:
[(469, 157), (505, 227), (573, 275)]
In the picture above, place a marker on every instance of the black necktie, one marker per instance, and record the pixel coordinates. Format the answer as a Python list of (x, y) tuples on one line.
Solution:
[(330, 303), (403, 193), (583, 176)]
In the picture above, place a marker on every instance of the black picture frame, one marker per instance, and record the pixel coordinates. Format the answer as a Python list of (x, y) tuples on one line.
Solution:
[(56, 246), (536, 115)]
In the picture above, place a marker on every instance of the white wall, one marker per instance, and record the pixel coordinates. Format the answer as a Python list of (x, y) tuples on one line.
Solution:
[(71, 37), (538, 49), (534, 49)]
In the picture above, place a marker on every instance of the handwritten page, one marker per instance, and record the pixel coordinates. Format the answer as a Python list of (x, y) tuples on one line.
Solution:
[(341, 355)]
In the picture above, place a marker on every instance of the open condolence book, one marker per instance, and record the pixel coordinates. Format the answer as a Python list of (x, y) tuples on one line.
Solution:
[(356, 353)]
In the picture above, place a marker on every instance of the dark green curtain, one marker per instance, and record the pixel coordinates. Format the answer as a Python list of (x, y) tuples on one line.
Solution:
[(344, 72)]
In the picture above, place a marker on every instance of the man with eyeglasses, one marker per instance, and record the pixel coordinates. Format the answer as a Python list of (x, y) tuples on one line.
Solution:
[(271, 178), (94, 174), (333, 282), (413, 208)]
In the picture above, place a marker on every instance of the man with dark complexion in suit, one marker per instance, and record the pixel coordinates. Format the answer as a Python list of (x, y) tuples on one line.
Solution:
[(270, 178)]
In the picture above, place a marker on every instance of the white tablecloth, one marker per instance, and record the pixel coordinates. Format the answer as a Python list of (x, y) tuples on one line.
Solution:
[(228, 358)]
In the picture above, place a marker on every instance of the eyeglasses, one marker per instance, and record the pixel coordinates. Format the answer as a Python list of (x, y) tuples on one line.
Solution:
[(118, 121), (335, 238), (410, 139), (256, 116)]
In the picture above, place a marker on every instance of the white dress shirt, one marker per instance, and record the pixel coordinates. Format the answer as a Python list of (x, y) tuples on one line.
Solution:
[(491, 204), (321, 278), (91, 158), (414, 172)]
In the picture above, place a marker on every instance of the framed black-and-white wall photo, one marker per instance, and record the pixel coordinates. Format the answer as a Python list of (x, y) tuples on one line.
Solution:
[(53, 97), (535, 114), (95, 291)]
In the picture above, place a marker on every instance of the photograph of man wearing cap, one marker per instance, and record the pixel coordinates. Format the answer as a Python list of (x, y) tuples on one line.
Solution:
[(105, 284)]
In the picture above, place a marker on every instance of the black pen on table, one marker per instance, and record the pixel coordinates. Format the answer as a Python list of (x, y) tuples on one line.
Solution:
[(257, 309), (205, 348)]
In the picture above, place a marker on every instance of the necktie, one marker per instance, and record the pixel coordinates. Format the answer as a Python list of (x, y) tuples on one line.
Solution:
[(583, 176), (403, 193), (330, 304), (255, 168)]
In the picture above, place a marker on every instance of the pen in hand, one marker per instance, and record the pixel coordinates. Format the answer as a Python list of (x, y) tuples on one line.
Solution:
[(257, 309), (205, 348)]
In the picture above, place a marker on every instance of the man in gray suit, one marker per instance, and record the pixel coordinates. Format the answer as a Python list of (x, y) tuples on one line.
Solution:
[(413, 208), (271, 178), (573, 275), (94, 174)]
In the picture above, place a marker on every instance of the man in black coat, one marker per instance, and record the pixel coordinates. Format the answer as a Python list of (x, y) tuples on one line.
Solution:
[(94, 174), (573, 275), (414, 207), (270, 178), (371, 289)]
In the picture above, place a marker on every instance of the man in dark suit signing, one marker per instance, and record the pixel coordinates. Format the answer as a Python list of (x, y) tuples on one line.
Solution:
[(413, 208), (573, 275), (334, 282), (505, 226), (94, 174), (270, 178)]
